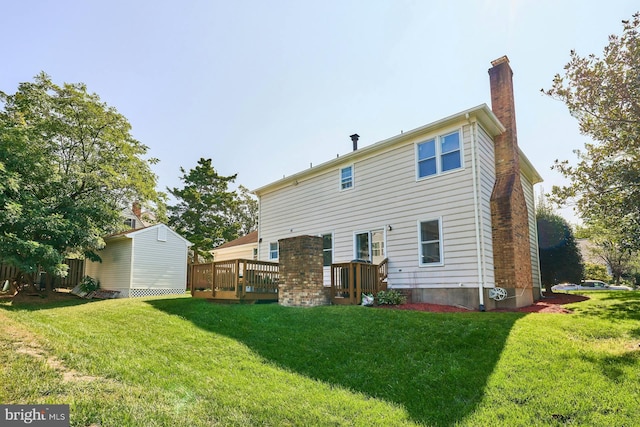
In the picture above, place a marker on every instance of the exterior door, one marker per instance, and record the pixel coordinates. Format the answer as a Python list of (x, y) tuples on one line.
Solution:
[(369, 246)]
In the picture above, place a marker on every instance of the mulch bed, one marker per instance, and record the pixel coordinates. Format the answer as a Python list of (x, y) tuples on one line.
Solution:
[(552, 303)]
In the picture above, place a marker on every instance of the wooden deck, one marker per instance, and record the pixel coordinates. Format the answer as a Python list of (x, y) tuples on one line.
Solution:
[(239, 280), (244, 280), (349, 280)]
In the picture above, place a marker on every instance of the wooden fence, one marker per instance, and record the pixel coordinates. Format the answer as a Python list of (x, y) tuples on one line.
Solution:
[(75, 273), (349, 280), (235, 280)]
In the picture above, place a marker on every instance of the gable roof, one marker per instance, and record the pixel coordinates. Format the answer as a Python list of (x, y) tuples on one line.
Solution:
[(244, 240), (130, 234), (482, 113)]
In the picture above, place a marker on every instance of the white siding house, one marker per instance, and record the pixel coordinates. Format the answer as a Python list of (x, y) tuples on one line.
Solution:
[(421, 199), (245, 247), (143, 262)]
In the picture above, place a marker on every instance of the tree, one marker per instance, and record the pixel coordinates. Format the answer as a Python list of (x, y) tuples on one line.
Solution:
[(560, 259), (604, 95), (613, 246), (245, 212), (69, 164), (596, 272), (203, 213)]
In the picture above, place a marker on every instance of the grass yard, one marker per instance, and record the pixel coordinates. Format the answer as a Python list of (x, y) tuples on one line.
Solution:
[(178, 361)]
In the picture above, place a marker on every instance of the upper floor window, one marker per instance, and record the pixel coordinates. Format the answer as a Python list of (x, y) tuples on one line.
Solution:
[(130, 222), (430, 235), (440, 154), (273, 250), (346, 178)]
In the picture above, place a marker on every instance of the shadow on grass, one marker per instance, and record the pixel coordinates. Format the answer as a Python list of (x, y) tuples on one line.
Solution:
[(616, 305), (434, 365), (41, 301)]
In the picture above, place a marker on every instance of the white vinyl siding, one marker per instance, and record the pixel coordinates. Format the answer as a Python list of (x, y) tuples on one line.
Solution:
[(139, 264), (235, 252), (388, 194), (533, 230), (114, 273), (159, 264)]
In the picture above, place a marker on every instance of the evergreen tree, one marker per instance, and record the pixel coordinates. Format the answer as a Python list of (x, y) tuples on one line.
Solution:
[(560, 259), (203, 213)]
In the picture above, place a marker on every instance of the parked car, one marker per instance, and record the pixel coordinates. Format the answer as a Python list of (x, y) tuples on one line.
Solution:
[(590, 285)]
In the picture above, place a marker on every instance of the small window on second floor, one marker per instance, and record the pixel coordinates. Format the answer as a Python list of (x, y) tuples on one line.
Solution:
[(346, 178), (130, 222), (273, 250)]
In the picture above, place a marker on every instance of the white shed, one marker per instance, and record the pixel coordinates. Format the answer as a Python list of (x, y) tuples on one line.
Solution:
[(143, 262)]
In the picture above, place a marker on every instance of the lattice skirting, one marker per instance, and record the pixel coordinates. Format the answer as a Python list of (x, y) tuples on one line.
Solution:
[(136, 293)]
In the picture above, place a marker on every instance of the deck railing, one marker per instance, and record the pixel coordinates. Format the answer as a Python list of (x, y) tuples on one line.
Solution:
[(237, 279), (349, 280)]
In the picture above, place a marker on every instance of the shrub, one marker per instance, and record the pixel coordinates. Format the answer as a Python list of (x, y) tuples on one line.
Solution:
[(391, 297), (89, 284)]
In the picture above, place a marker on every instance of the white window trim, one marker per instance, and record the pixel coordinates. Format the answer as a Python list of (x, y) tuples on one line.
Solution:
[(441, 240), (277, 250), (353, 177), (438, 144), (384, 240), (332, 248)]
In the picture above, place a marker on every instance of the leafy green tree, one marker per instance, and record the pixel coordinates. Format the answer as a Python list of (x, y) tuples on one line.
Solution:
[(596, 272), (245, 211), (203, 213), (560, 259), (69, 164), (615, 247), (603, 94)]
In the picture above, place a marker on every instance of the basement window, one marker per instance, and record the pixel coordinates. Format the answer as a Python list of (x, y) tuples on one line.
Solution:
[(430, 235), (438, 155)]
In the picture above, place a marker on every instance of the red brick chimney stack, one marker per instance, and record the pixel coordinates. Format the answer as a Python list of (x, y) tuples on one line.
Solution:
[(137, 209), (509, 214)]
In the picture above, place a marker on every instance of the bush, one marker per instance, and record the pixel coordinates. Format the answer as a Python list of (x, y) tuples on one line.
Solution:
[(89, 284), (390, 297)]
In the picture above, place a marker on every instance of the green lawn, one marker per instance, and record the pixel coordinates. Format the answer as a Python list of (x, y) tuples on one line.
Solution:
[(178, 361)]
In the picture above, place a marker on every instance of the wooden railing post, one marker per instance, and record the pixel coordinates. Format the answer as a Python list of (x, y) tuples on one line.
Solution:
[(213, 279)]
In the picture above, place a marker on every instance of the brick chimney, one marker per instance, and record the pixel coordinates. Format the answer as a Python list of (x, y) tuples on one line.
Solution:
[(509, 215), (136, 208)]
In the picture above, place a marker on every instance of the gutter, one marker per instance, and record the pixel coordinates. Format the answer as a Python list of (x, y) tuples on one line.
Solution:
[(476, 207)]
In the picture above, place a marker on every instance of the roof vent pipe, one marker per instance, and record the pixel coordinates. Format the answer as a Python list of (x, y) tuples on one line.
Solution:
[(354, 138)]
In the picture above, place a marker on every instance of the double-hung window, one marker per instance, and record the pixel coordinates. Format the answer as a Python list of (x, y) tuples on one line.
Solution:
[(273, 250), (430, 235), (346, 178), (327, 250), (439, 154)]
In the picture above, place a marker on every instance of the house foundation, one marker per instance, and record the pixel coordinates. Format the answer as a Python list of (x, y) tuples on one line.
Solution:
[(301, 272)]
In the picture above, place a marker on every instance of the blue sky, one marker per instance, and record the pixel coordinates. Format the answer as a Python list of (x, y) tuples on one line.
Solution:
[(266, 88)]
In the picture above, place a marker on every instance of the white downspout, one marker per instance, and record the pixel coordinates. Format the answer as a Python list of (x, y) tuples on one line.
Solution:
[(476, 207), (259, 226)]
